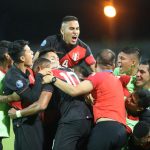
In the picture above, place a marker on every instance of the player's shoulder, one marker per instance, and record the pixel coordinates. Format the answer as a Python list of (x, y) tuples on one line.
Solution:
[(15, 79), (53, 38), (13, 71), (13, 75), (82, 44)]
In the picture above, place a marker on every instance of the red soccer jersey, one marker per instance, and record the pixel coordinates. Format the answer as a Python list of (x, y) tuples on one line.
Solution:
[(69, 55), (109, 97), (71, 108), (76, 55), (68, 76)]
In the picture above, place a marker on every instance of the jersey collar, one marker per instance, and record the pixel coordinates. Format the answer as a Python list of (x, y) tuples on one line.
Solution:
[(107, 71)]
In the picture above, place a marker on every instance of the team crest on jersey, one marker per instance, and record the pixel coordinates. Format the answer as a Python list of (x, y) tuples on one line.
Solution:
[(75, 56), (19, 84), (43, 43)]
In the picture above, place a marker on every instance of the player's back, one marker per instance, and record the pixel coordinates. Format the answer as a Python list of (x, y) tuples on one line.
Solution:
[(71, 108)]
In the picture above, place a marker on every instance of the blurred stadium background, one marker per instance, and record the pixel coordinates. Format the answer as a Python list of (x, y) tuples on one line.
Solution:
[(33, 20)]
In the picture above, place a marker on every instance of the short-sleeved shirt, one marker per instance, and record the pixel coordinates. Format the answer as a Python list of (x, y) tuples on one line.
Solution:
[(71, 108), (69, 55), (4, 118), (108, 97)]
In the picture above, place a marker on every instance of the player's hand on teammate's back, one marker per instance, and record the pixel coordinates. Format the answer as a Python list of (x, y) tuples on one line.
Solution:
[(47, 78)]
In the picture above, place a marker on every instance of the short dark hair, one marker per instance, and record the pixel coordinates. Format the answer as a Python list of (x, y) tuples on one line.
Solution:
[(16, 49), (5, 43), (144, 98), (69, 18), (132, 50), (146, 62), (106, 57), (46, 50), (40, 62), (3, 51), (141, 129), (4, 47)]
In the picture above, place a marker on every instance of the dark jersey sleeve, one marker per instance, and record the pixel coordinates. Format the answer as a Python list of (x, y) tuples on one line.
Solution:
[(48, 88), (22, 87), (36, 95), (32, 94), (49, 42), (88, 51)]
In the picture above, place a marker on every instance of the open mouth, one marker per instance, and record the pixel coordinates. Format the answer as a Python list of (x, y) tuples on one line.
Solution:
[(74, 38)]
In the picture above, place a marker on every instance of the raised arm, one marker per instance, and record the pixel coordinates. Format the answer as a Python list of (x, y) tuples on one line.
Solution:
[(82, 88)]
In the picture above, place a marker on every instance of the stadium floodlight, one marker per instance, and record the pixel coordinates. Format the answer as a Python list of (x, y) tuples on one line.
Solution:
[(109, 11)]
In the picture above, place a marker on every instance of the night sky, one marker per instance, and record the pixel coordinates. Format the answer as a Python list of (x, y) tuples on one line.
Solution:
[(35, 19)]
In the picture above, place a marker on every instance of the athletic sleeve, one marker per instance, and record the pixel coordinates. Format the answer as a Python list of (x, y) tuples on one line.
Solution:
[(48, 88), (22, 87), (31, 94), (48, 42), (93, 79), (90, 60), (45, 44), (96, 78)]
